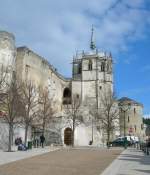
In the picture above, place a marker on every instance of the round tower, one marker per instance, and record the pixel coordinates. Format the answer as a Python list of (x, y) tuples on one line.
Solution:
[(7, 49)]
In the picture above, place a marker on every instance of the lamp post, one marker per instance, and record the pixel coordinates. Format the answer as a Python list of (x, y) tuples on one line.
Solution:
[(92, 118), (92, 130), (124, 107)]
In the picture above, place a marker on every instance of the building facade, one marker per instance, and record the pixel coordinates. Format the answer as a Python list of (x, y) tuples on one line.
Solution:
[(131, 121), (92, 75)]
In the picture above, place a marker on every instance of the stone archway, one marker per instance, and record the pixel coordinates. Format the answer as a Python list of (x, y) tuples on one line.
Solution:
[(67, 96), (68, 136)]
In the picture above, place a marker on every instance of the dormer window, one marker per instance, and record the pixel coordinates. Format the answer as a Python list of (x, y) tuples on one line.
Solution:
[(90, 65)]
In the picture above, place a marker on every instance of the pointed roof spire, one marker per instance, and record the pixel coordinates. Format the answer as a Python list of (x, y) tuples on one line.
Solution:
[(92, 44), (110, 55)]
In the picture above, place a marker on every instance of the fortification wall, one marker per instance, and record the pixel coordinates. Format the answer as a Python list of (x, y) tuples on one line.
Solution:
[(7, 48)]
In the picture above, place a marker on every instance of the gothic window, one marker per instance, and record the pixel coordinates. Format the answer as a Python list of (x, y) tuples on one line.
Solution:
[(103, 66), (108, 67), (90, 65), (79, 68), (75, 68)]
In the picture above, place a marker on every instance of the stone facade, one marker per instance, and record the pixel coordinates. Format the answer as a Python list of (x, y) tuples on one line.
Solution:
[(92, 75), (7, 48), (131, 122), (7, 54)]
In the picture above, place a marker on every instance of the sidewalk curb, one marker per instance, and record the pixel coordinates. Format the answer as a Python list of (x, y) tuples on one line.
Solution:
[(113, 168)]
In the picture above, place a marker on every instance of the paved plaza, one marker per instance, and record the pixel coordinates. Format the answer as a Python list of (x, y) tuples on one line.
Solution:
[(87, 161), (77, 161), (7, 157)]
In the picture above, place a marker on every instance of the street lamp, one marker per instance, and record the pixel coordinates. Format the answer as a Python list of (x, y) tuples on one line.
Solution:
[(92, 114), (124, 107)]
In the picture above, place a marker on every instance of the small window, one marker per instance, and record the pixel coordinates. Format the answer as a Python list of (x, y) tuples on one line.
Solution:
[(77, 96), (128, 119), (90, 65), (100, 87), (134, 110), (142, 126), (135, 128), (27, 69)]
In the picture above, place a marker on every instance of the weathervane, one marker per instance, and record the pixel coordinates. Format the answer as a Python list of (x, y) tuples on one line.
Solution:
[(92, 44)]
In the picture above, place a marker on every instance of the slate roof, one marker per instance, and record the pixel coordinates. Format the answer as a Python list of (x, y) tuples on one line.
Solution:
[(129, 100)]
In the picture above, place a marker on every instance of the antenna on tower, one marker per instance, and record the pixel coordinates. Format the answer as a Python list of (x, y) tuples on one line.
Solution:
[(92, 44)]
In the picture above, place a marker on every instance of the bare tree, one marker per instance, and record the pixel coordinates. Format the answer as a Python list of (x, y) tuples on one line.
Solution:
[(73, 112), (108, 113), (10, 103), (2, 76), (46, 108), (29, 100)]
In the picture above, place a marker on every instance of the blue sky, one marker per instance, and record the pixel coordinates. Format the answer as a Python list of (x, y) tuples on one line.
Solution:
[(57, 29)]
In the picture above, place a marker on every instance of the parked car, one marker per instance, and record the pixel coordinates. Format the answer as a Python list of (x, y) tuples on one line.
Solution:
[(120, 141)]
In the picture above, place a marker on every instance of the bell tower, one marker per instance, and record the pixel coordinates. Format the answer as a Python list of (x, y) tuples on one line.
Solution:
[(92, 72)]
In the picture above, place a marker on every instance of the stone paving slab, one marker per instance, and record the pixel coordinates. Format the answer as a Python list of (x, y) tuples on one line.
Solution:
[(7, 157), (65, 161), (130, 162)]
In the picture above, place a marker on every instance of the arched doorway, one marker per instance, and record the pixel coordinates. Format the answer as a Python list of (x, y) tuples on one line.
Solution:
[(68, 136), (67, 96)]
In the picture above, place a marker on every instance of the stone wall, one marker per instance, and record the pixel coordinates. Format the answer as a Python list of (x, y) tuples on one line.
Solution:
[(133, 121)]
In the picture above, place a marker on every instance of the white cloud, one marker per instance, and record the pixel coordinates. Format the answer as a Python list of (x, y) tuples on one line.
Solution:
[(55, 29)]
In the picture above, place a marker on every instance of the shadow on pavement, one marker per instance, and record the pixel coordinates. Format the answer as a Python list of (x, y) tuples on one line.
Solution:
[(143, 171), (141, 159)]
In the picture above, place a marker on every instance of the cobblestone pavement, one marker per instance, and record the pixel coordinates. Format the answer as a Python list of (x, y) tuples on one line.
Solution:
[(63, 162)]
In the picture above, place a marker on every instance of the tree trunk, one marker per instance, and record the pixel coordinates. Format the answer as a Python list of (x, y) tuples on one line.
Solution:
[(108, 138), (10, 137), (26, 134), (43, 129), (73, 129)]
